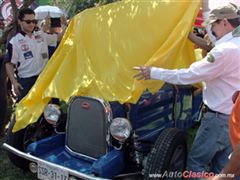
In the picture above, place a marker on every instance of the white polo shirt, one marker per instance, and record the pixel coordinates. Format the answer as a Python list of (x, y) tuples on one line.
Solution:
[(220, 70), (30, 54)]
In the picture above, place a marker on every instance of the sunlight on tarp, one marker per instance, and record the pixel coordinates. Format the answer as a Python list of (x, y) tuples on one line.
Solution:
[(102, 45)]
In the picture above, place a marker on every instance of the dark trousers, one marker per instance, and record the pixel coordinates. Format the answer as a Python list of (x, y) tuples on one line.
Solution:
[(27, 84)]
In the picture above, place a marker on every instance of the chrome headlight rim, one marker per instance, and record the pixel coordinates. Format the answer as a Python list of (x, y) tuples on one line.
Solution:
[(120, 129), (52, 113)]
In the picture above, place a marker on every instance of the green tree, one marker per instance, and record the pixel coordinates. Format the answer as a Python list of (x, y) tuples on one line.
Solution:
[(72, 7), (26, 3)]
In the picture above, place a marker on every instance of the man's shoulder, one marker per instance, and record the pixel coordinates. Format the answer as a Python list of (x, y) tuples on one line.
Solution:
[(17, 37), (44, 34), (227, 48), (233, 43), (40, 32)]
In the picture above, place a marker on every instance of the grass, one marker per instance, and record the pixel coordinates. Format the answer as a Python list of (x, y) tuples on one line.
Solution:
[(7, 170), (190, 136)]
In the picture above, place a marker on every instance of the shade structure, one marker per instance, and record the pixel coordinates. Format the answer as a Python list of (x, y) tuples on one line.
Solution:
[(52, 11)]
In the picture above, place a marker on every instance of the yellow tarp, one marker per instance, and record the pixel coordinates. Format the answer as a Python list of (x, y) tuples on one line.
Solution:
[(101, 46)]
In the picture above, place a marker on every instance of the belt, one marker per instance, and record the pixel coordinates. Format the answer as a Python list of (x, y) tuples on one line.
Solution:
[(33, 77), (205, 109)]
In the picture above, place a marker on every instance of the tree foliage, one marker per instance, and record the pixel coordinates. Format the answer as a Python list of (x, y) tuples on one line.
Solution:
[(75, 6), (71, 7), (26, 3)]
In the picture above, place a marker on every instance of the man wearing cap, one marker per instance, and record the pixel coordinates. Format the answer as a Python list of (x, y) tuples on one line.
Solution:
[(220, 70)]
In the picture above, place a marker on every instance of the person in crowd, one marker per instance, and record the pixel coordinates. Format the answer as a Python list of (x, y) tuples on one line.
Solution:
[(52, 28), (204, 44), (200, 42), (197, 37), (4, 84), (27, 51), (220, 72), (234, 123), (3, 98), (2, 27), (2, 42)]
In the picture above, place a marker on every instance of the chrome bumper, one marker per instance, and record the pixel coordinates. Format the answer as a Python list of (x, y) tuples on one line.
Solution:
[(36, 160)]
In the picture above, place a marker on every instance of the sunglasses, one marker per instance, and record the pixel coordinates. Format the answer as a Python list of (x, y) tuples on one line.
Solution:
[(30, 21)]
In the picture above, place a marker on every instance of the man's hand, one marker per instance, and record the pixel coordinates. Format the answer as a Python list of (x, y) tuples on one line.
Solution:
[(232, 168), (233, 165), (235, 95), (145, 72), (17, 88), (48, 21), (64, 20)]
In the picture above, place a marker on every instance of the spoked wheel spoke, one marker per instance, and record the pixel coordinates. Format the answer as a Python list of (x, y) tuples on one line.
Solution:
[(178, 159)]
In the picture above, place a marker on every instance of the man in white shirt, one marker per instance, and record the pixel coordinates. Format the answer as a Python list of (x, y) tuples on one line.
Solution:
[(27, 51), (220, 70)]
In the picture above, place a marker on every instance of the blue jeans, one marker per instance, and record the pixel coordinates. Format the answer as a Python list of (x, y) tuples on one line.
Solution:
[(211, 144)]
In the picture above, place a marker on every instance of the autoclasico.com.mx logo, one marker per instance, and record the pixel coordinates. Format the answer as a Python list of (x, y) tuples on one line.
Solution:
[(189, 174)]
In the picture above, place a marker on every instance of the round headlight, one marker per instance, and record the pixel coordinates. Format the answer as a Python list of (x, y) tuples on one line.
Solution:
[(52, 113), (120, 129)]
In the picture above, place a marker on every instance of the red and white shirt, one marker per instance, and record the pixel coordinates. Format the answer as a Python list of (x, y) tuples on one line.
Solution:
[(30, 54)]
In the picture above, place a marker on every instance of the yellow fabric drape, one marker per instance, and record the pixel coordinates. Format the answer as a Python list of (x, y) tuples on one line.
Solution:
[(103, 44)]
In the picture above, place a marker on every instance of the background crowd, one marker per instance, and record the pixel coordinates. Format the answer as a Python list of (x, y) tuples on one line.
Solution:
[(26, 53)]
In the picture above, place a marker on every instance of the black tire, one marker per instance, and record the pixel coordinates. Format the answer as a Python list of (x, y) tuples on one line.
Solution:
[(16, 140), (169, 154), (22, 138)]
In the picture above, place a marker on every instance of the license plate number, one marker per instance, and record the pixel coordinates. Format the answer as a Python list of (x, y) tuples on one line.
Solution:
[(46, 171)]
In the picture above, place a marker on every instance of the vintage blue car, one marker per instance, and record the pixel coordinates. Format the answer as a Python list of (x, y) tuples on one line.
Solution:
[(95, 139)]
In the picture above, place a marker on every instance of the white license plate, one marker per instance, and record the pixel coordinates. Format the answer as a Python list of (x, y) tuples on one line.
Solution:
[(46, 171)]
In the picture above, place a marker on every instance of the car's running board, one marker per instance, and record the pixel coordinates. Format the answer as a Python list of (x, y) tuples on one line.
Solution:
[(36, 160)]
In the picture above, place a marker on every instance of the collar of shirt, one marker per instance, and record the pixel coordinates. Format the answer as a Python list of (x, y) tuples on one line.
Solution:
[(23, 33), (236, 32), (225, 38)]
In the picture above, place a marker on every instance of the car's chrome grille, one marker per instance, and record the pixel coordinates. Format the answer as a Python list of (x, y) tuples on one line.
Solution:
[(86, 127)]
